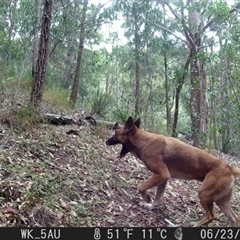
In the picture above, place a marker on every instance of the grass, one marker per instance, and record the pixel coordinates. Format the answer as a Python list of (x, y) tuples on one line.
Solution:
[(18, 85), (56, 97), (20, 118)]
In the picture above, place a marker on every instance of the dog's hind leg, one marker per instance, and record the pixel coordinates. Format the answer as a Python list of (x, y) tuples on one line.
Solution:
[(217, 187), (207, 195), (208, 207), (224, 204)]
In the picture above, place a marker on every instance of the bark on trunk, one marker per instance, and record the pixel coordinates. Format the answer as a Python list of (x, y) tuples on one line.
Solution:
[(117, 84), (69, 64), (74, 93), (67, 76), (42, 61), (35, 38), (168, 112), (137, 64), (193, 33), (177, 96), (197, 79), (150, 85)]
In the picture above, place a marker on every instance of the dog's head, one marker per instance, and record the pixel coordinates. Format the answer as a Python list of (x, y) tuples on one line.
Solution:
[(121, 135)]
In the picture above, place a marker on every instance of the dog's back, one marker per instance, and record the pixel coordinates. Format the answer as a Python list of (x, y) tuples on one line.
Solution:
[(182, 160)]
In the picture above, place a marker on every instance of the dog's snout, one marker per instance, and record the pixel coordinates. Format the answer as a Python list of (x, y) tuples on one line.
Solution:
[(112, 141), (109, 142)]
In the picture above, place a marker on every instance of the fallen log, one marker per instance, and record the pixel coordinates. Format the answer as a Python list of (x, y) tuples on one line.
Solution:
[(56, 119), (109, 125)]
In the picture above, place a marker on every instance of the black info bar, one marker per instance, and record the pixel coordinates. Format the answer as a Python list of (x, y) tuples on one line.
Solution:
[(123, 233)]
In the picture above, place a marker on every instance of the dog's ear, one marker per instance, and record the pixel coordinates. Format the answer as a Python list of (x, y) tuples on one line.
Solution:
[(116, 126), (129, 122), (137, 122), (129, 125)]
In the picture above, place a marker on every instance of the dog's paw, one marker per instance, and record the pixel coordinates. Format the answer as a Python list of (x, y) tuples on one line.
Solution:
[(195, 224), (150, 206)]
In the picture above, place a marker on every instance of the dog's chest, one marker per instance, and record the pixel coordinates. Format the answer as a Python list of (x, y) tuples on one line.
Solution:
[(135, 155)]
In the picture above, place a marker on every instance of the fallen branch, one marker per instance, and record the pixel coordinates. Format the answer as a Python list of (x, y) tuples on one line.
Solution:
[(56, 119)]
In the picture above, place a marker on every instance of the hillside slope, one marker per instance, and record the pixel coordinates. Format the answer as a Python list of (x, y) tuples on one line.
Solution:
[(52, 177)]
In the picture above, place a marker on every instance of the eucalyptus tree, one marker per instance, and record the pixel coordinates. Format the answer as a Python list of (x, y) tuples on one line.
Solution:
[(190, 30), (193, 27), (88, 28), (9, 26), (225, 71), (140, 31), (74, 91), (132, 12), (15, 35), (71, 25), (36, 35), (7, 32), (43, 54), (197, 73)]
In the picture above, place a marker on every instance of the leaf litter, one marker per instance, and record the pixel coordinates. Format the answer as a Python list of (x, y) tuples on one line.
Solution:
[(52, 178)]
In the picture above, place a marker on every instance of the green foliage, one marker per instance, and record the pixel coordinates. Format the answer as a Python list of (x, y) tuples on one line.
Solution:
[(21, 118), (15, 84), (121, 114), (100, 102), (56, 97)]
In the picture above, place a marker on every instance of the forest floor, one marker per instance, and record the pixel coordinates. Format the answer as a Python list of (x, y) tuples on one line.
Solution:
[(49, 177)]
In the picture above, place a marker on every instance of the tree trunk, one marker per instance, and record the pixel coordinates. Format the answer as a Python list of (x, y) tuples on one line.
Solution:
[(197, 71), (168, 112), (198, 80), (177, 95), (73, 11), (198, 100), (212, 117), (150, 85), (195, 101), (225, 91), (68, 67), (137, 63), (11, 32), (74, 93), (35, 38), (137, 85), (117, 84), (43, 54)]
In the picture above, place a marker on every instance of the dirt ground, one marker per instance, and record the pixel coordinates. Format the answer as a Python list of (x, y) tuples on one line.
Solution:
[(66, 176)]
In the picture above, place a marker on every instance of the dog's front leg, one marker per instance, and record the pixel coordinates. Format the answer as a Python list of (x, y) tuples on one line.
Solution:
[(155, 180), (159, 194)]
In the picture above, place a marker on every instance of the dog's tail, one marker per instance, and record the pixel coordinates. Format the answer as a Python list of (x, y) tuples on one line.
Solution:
[(236, 172)]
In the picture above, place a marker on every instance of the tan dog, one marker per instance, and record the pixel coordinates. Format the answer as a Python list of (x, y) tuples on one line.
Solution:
[(169, 158)]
